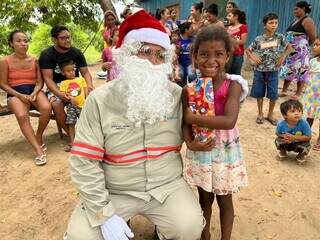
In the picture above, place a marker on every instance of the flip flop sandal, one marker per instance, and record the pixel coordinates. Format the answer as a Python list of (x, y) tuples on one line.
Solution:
[(42, 160), (282, 156), (44, 147), (272, 121), (260, 120), (68, 148)]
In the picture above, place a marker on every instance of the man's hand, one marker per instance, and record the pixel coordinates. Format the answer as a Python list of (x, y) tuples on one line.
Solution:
[(115, 228), (196, 145), (64, 97)]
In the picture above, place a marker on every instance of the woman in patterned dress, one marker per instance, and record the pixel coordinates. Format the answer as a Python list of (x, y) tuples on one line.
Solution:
[(300, 34)]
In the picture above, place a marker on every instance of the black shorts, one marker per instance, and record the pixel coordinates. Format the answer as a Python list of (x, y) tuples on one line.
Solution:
[(26, 89)]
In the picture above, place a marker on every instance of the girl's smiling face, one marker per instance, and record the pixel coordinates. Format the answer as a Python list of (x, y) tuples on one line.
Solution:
[(211, 58)]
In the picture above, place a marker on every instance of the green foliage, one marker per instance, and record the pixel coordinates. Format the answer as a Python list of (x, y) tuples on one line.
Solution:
[(92, 55), (41, 39), (24, 14), (4, 47)]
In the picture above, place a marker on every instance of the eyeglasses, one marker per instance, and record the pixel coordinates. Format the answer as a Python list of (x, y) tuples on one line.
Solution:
[(64, 38), (146, 51)]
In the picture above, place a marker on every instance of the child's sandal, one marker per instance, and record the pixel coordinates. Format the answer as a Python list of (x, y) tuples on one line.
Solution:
[(42, 160), (44, 147), (301, 158)]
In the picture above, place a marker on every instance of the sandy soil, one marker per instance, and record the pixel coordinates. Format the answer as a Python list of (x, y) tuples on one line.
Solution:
[(281, 202)]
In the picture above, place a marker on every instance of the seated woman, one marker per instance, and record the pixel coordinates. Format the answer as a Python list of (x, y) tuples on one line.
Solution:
[(21, 79)]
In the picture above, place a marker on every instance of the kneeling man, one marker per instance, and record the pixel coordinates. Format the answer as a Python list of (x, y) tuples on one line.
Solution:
[(125, 159)]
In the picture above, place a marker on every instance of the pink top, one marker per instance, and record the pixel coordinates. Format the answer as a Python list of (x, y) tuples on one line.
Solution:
[(236, 34), (17, 77), (221, 97), (107, 57)]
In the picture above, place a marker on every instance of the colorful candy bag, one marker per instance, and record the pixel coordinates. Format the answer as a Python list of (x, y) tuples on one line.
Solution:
[(201, 101)]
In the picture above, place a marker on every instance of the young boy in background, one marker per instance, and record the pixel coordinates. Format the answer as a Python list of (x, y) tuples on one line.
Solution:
[(294, 132), (267, 51), (75, 89)]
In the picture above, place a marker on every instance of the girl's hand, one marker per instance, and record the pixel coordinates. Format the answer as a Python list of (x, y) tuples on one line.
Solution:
[(106, 66), (196, 145)]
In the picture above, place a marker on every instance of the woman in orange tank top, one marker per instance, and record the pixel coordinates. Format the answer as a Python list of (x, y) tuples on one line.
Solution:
[(21, 79)]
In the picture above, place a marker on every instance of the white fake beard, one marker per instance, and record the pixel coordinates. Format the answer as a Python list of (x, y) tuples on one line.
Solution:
[(146, 87)]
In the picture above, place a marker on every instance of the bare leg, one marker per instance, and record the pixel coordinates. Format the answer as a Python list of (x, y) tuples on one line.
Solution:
[(21, 111), (44, 107), (226, 215), (271, 109), (260, 107), (310, 121), (285, 87), (72, 132), (60, 114), (300, 85), (206, 200)]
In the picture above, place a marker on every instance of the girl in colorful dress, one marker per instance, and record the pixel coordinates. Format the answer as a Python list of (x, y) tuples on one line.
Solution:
[(300, 34), (239, 33), (222, 172), (108, 59), (109, 28), (311, 96)]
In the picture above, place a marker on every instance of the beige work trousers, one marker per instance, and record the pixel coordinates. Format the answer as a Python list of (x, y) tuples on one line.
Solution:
[(179, 217)]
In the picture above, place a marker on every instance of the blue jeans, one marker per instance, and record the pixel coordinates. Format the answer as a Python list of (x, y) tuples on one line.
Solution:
[(236, 65), (186, 74), (265, 84)]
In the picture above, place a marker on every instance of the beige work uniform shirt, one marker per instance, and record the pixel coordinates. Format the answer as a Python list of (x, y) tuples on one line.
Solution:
[(112, 156)]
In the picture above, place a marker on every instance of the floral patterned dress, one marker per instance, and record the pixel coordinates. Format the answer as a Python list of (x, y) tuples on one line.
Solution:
[(311, 97), (296, 66), (223, 171)]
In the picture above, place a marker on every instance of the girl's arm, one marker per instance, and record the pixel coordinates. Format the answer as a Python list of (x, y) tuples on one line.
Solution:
[(192, 143), (226, 121), (243, 39)]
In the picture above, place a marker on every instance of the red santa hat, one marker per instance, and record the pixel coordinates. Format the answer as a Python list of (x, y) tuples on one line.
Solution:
[(143, 28)]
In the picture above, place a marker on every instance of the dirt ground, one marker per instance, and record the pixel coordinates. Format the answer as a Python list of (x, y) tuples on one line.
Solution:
[(281, 202)]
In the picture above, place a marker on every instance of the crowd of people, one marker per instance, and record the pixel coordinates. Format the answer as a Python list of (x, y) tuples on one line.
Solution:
[(168, 81)]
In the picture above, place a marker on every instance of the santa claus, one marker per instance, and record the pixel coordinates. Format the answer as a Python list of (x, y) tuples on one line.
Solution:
[(126, 155)]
